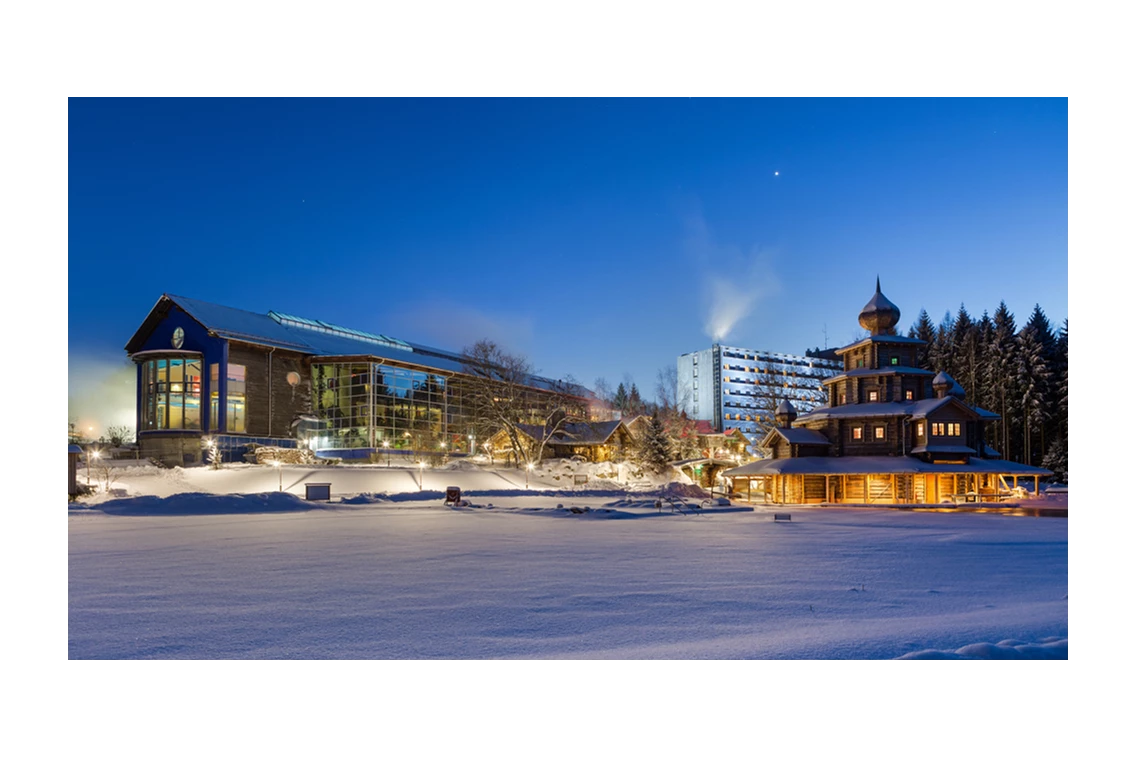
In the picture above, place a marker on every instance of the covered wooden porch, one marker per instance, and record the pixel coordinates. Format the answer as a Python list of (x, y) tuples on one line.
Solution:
[(879, 489)]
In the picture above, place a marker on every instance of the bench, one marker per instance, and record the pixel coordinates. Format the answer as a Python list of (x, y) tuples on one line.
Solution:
[(317, 491), (781, 517)]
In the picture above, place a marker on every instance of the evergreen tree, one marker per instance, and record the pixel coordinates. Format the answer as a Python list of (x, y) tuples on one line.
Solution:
[(983, 331), (1044, 333), (965, 354), (635, 402), (1056, 459), (655, 448), (940, 353), (924, 330), (1056, 454), (1034, 388), (1062, 365), (1000, 372), (620, 399)]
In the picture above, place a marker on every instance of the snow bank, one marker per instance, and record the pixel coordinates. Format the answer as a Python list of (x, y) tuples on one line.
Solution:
[(200, 503), (678, 489), (1008, 650)]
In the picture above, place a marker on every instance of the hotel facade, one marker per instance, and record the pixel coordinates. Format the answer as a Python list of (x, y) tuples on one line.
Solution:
[(740, 388)]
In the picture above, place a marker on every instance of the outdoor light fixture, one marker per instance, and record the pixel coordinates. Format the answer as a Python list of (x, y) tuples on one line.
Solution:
[(90, 453), (280, 473), (527, 470), (387, 447), (421, 471)]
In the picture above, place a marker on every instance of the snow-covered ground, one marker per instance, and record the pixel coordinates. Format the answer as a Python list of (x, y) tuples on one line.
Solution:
[(199, 563)]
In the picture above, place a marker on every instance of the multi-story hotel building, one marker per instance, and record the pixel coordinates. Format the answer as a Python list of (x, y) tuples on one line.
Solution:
[(740, 388)]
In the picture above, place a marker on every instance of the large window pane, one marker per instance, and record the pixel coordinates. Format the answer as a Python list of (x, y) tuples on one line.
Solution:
[(175, 410)]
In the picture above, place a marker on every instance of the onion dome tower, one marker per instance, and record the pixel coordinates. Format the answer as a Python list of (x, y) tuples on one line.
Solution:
[(879, 314), (942, 384), (785, 414)]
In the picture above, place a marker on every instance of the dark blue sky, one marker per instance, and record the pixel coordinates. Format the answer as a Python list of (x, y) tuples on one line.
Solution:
[(597, 237)]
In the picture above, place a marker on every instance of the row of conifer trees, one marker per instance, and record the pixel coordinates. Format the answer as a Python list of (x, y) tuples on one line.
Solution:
[(1019, 373)]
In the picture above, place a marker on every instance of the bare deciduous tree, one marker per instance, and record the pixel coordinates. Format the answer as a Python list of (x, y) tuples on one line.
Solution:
[(120, 435), (498, 389)]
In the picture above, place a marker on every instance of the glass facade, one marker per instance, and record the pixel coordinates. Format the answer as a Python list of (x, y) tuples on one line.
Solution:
[(363, 405), (236, 409), (171, 393)]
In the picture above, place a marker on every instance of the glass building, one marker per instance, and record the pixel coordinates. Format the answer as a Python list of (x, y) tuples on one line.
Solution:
[(240, 377)]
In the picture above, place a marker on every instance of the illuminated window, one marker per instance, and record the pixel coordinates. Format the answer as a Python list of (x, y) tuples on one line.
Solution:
[(878, 432), (860, 362), (235, 410), (873, 395), (920, 429), (895, 361), (953, 430), (857, 432), (937, 430), (171, 389), (909, 395)]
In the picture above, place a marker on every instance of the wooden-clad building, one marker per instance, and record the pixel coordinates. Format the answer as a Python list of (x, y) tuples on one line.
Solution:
[(237, 377), (595, 441), (891, 433)]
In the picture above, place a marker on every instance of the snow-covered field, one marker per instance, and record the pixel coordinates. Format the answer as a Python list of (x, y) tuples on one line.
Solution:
[(181, 568)]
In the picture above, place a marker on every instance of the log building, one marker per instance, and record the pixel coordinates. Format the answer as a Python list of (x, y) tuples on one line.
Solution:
[(891, 433)]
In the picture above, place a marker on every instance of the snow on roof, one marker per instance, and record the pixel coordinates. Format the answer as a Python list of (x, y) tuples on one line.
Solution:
[(321, 339), (891, 338), (887, 370), (913, 408), (800, 436), (943, 449), (578, 433), (879, 464)]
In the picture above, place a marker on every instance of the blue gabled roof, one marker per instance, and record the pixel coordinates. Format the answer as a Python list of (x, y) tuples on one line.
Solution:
[(233, 323), (316, 338)]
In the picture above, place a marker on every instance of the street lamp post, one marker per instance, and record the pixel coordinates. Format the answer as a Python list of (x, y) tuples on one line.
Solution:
[(387, 447), (471, 438), (89, 454), (280, 474), (528, 468), (421, 471)]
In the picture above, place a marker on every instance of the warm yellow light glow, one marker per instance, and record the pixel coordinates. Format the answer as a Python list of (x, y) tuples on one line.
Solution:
[(386, 443), (95, 454), (530, 466)]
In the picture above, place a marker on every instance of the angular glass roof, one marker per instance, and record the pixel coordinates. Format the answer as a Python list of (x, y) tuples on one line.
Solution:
[(323, 326)]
